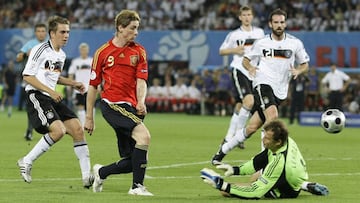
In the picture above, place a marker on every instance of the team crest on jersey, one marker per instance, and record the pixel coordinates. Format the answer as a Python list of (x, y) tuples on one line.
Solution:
[(49, 115), (134, 60), (92, 75), (122, 55)]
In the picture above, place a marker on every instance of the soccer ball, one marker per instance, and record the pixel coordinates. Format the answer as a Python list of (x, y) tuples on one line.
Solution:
[(333, 120)]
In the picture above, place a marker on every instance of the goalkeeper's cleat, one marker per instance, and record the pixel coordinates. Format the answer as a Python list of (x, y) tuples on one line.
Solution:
[(88, 181), (217, 158), (140, 190), (98, 182), (25, 170), (317, 189)]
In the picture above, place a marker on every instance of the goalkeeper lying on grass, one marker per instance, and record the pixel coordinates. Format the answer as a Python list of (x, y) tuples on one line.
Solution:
[(283, 169)]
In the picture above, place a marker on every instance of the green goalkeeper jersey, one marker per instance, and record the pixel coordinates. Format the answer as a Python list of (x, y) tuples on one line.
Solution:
[(283, 173)]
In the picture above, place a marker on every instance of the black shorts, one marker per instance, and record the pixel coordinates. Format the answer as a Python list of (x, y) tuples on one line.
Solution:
[(42, 111), (80, 99), (242, 84), (264, 97), (123, 119)]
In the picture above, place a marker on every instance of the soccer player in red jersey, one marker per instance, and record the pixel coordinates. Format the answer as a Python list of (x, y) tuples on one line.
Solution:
[(120, 66)]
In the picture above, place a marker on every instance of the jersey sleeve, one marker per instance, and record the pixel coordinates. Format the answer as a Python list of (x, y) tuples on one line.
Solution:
[(264, 183), (142, 67), (301, 55), (228, 42), (96, 70), (72, 67), (31, 67)]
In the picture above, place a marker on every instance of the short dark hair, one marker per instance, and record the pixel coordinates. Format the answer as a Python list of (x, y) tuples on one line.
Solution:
[(39, 25), (277, 11), (279, 130)]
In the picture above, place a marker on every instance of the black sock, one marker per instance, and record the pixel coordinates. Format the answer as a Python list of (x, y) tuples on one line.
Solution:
[(122, 166), (139, 166)]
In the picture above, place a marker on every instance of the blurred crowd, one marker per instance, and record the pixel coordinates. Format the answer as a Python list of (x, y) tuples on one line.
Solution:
[(305, 15)]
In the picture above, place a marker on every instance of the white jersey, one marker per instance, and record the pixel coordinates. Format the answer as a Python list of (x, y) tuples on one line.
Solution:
[(335, 79), (275, 60), (179, 91), (156, 91), (45, 64), (241, 37), (81, 68)]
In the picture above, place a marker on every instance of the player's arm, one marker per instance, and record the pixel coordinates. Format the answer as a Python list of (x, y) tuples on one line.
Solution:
[(302, 68), (70, 82), (90, 104), (33, 81), (238, 50), (264, 183), (247, 65), (346, 84), (20, 57), (141, 91)]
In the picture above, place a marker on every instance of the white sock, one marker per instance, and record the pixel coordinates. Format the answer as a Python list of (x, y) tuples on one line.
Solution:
[(262, 137), (232, 127), (82, 152), (244, 114), (41, 147), (81, 115), (234, 141), (304, 185)]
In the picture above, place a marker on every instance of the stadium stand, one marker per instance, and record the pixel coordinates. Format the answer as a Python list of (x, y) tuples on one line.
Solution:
[(304, 15)]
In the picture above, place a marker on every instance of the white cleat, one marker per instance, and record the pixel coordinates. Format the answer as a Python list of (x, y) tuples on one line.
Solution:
[(98, 182), (140, 190), (88, 181), (25, 170)]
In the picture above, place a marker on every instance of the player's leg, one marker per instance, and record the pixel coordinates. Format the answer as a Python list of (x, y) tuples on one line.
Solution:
[(241, 135), (52, 133), (141, 135), (81, 149), (233, 122)]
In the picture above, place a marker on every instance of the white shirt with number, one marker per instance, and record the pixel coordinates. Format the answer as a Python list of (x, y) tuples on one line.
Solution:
[(241, 37), (275, 60), (81, 69), (45, 64)]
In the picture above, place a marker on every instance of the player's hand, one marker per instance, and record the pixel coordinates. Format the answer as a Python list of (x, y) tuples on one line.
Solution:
[(294, 72), (89, 125), (229, 170), (56, 96), (212, 178), (80, 87), (141, 109), (252, 71)]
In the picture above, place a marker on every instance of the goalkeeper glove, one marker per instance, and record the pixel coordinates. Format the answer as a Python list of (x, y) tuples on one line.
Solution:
[(212, 178), (229, 170)]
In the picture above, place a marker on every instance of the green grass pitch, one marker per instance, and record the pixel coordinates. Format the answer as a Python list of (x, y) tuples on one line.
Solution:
[(181, 145)]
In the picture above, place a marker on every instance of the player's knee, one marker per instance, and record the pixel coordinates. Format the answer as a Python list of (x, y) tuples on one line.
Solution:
[(141, 135)]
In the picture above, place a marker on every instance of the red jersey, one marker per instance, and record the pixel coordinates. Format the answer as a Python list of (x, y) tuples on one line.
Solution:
[(117, 68)]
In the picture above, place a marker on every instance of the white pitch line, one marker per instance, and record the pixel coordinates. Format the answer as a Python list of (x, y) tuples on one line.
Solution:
[(188, 177)]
